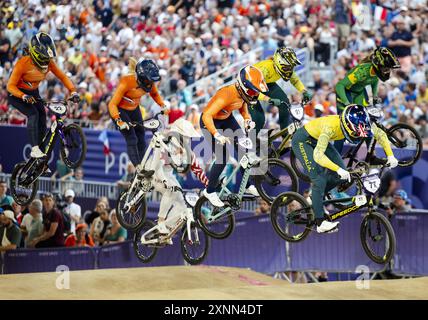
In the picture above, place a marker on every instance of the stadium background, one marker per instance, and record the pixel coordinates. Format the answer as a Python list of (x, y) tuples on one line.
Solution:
[(199, 46)]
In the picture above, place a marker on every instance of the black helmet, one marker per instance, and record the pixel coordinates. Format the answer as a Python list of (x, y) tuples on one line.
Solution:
[(383, 60), (42, 49), (147, 73)]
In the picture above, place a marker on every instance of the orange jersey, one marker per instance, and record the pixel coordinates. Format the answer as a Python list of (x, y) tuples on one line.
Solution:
[(221, 106), (26, 75), (127, 96)]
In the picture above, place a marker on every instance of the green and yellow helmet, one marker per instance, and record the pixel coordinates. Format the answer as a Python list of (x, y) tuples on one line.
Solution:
[(384, 60), (42, 49), (284, 61)]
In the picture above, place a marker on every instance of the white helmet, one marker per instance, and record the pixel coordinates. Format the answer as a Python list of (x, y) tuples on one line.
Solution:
[(184, 128)]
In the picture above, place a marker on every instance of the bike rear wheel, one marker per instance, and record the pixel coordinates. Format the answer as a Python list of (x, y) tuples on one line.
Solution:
[(408, 143), (22, 194), (377, 238), (144, 253), (196, 251), (277, 177), (73, 147), (218, 229), (291, 216), (133, 218)]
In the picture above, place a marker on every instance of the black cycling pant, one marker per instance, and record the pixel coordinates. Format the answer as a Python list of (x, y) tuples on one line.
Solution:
[(135, 136), (36, 115)]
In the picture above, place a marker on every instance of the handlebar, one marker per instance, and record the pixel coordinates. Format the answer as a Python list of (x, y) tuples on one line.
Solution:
[(357, 173), (139, 124)]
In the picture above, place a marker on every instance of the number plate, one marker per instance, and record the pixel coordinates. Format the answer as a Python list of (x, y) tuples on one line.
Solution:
[(151, 124), (360, 200), (375, 112), (371, 183), (191, 198), (245, 143), (57, 108), (297, 111)]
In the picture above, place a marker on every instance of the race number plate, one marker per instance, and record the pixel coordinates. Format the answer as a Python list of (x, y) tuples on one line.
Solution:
[(151, 124), (191, 198), (297, 111), (360, 200), (371, 183)]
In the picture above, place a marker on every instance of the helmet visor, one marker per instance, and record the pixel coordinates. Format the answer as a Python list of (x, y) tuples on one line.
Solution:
[(361, 131)]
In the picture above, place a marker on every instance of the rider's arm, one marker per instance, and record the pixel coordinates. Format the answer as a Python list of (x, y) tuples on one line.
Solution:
[(319, 151), (296, 82), (341, 87), (61, 76), (375, 87), (382, 139), (115, 100), (198, 171), (244, 112), (214, 106), (154, 93), (12, 84)]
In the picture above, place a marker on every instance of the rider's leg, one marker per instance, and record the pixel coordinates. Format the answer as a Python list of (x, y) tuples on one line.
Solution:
[(276, 92), (136, 116), (36, 117), (303, 147), (131, 139), (333, 178)]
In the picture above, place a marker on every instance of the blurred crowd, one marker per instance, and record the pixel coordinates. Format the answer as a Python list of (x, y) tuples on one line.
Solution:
[(56, 221), (190, 39)]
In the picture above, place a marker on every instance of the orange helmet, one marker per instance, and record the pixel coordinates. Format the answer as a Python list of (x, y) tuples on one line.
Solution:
[(250, 83)]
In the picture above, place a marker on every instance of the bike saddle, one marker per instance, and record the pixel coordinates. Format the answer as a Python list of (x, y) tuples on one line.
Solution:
[(147, 173)]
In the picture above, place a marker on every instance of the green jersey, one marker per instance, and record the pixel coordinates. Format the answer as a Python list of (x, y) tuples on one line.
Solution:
[(355, 82)]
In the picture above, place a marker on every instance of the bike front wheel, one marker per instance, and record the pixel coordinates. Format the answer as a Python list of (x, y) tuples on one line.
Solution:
[(194, 251), (275, 176), (73, 146), (22, 194), (377, 238), (291, 216), (131, 218), (220, 228), (408, 143), (145, 253)]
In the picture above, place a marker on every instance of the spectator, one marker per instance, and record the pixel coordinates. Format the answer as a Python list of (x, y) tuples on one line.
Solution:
[(401, 42), (99, 207), (400, 203), (32, 223), (99, 227), (4, 47), (53, 233), (175, 112), (4, 199), (17, 211), (184, 96), (126, 179), (61, 169), (10, 234), (115, 232), (262, 208), (194, 116), (343, 26), (81, 238), (72, 209)]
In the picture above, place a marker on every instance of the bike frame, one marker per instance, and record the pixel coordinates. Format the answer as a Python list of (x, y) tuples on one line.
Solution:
[(286, 134), (51, 137), (225, 191), (350, 208), (185, 218)]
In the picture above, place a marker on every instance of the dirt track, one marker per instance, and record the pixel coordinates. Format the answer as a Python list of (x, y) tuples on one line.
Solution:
[(202, 282)]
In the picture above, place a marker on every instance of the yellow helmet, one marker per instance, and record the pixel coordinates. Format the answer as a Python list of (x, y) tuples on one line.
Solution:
[(42, 49), (284, 61)]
